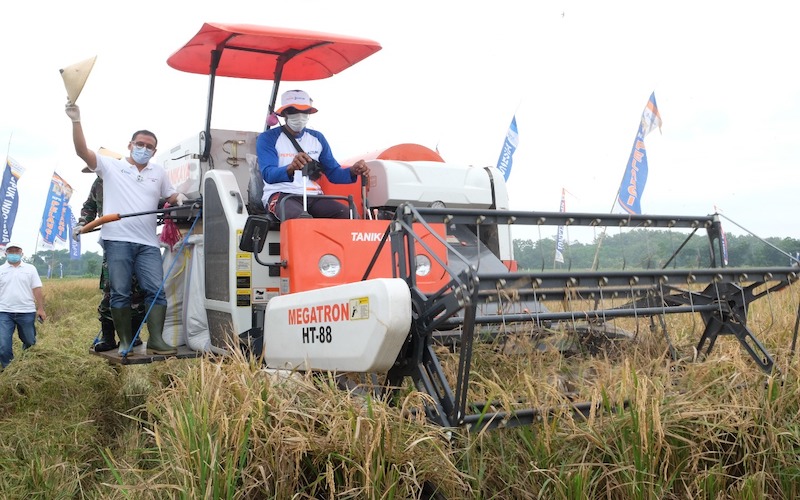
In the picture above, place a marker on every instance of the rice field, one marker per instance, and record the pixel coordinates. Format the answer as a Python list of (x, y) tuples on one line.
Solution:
[(72, 426)]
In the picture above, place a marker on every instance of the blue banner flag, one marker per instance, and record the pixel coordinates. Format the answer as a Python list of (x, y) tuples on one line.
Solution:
[(724, 246), (509, 146), (8, 190), (74, 244), (632, 186), (53, 222), (63, 223), (560, 237)]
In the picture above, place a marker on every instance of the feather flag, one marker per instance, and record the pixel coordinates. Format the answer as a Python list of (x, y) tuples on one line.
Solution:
[(509, 146), (53, 222), (723, 240), (560, 234), (10, 203), (63, 226), (74, 244), (632, 186)]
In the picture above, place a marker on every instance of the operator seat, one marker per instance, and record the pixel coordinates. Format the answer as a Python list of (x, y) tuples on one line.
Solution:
[(255, 189)]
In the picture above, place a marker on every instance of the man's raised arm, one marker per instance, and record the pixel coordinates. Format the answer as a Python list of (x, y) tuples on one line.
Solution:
[(78, 139)]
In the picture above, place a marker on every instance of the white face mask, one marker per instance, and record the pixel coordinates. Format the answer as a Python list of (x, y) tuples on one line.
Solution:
[(297, 121)]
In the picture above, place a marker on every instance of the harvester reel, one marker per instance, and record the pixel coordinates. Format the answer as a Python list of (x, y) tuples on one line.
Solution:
[(588, 299)]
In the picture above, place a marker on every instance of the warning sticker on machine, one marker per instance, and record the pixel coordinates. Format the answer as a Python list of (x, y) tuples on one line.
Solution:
[(243, 263), (262, 295), (359, 308)]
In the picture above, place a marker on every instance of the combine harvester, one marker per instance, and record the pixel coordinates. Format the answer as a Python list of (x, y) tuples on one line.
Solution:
[(430, 256)]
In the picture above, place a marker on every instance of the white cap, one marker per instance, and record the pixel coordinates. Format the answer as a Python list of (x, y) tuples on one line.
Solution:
[(296, 99)]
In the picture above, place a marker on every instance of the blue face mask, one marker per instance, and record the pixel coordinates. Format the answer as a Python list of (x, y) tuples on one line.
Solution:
[(141, 155), (14, 258)]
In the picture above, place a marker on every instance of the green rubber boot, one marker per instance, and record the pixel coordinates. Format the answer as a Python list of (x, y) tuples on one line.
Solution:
[(122, 323), (155, 327)]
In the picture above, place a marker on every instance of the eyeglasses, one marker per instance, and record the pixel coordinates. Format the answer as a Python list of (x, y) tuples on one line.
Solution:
[(140, 144)]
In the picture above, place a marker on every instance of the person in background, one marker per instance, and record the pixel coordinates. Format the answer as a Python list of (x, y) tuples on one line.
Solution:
[(21, 303), (93, 208), (281, 164), (130, 245)]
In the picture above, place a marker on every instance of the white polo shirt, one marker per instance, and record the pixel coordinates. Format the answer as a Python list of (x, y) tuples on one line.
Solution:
[(126, 190), (16, 287)]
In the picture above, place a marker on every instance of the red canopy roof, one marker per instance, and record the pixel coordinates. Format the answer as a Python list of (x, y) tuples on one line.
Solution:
[(249, 51)]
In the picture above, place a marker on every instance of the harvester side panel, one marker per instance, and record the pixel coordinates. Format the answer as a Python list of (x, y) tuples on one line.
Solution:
[(354, 242), (356, 327), (229, 273)]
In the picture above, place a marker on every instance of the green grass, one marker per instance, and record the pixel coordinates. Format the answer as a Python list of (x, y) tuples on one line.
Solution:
[(72, 426)]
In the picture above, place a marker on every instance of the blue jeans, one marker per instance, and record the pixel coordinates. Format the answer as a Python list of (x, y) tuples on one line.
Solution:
[(25, 323), (125, 259)]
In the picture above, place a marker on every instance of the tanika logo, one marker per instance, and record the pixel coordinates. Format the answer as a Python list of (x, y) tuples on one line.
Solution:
[(366, 236)]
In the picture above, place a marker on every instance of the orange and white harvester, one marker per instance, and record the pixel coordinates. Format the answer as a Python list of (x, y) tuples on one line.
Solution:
[(428, 257)]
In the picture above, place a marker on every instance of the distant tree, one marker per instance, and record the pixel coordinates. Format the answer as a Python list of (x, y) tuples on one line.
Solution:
[(642, 249), (60, 262)]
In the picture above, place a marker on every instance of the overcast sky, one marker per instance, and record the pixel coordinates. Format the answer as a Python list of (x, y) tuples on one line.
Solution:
[(451, 75)]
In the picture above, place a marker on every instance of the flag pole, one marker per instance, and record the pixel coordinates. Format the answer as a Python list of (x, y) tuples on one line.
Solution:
[(505, 161), (36, 245), (638, 159), (8, 146), (15, 199), (596, 259), (560, 231)]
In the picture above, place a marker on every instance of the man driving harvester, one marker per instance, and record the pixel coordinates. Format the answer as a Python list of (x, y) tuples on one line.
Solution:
[(286, 153)]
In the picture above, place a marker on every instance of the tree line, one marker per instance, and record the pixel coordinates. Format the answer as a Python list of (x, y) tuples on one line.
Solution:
[(58, 264), (653, 249)]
